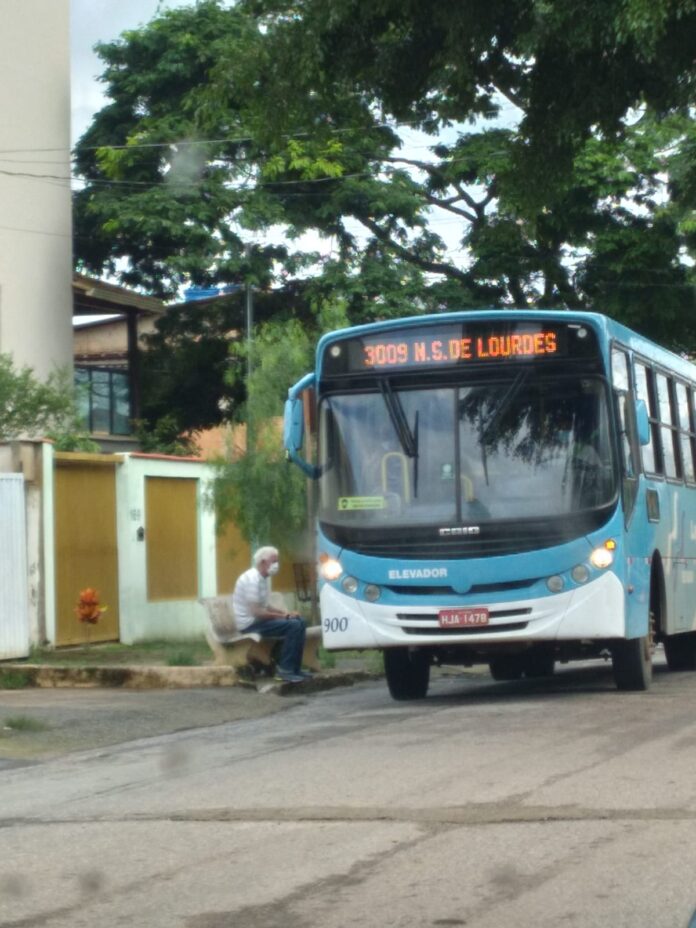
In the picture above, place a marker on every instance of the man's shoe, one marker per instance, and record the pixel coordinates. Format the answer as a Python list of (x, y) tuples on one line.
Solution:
[(289, 677), (307, 675)]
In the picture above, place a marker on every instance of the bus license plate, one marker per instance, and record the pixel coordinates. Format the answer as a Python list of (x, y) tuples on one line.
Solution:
[(462, 618)]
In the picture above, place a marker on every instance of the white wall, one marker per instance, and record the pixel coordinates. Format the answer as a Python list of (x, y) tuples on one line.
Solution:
[(35, 209), (30, 564), (14, 617), (33, 461)]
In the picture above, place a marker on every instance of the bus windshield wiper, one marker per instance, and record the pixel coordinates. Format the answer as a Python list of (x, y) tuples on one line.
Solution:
[(407, 438), (502, 406)]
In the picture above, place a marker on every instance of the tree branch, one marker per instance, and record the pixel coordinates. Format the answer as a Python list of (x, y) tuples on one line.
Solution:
[(434, 267), (451, 208)]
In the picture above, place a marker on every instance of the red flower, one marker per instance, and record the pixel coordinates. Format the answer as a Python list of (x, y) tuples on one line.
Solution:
[(88, 608)]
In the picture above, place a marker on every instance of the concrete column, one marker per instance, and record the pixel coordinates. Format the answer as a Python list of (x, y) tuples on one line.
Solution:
[(35, 202)]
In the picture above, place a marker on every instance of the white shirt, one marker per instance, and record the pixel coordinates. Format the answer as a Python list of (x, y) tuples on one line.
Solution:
[(251, 592)]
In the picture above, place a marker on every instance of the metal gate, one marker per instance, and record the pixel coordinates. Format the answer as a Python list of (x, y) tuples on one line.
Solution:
[(14, 590)]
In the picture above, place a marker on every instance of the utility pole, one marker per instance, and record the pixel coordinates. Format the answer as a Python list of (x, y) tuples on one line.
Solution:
[(249, 305), (249, 301)]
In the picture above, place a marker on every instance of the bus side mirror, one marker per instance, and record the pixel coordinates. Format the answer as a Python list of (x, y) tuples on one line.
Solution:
[(293, 430), (293, 425), (642, 422)]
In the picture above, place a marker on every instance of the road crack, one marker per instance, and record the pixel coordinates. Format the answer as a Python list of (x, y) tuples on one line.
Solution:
[(473, 814)]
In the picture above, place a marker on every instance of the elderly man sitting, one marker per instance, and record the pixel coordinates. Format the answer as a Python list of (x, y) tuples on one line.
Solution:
[(250, 602)]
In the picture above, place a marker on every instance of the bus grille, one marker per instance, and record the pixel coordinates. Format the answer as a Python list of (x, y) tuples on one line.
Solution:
[(496, 539), (477, 589), (457, 549), (468, 632)]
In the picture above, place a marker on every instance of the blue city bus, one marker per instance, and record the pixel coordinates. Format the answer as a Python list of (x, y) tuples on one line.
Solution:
[(514, 488)]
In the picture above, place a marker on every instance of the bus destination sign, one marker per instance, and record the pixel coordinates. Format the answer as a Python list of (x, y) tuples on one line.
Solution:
[(448, 346), (413, 352)]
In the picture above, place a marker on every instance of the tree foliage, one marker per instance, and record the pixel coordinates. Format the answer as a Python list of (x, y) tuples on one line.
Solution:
[(264, 496), (31, 408), (439, 156), (193, 370), (259, 492)]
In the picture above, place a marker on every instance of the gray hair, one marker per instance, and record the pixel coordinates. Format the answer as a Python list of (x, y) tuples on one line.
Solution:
[(263, 554)]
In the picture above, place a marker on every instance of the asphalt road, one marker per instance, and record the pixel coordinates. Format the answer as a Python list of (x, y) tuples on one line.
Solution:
[(561, 802), (38, 724)]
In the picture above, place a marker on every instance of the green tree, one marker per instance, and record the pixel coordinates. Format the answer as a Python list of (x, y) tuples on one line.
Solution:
[(35, 409), (192, 376), (258, 490), (169, 169), (568, 68), (225, 123)]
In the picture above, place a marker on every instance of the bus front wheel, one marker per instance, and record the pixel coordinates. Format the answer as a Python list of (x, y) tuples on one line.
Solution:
[(407, 672), (632, 663)]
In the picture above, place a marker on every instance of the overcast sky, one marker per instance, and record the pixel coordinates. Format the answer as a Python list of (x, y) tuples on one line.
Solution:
[(95, 21)]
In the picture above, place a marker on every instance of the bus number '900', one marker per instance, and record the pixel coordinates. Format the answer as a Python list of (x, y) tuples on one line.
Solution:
[(336, 625)]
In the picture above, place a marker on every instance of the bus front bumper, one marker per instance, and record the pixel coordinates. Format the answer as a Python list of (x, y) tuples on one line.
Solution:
[(595, 611)]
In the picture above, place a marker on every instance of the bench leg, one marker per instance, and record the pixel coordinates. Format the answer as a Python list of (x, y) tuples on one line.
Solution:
[(261, 653), (230, 655), (259, 656)]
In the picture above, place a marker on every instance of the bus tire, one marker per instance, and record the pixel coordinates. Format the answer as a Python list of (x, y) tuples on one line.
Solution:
[(407, 672), (632, 663), (680, 651), (507, 667)]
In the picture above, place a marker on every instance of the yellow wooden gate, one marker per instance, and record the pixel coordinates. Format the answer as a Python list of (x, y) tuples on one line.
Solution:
[(85, 544), (171, 517)]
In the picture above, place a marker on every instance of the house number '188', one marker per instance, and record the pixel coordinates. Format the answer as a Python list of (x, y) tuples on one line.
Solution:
[(336, 625)]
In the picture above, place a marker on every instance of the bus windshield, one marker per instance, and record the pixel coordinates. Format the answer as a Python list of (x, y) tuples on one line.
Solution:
[(526, 447)]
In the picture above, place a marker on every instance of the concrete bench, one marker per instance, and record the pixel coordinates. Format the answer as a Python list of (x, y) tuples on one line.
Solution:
[(248, 650)]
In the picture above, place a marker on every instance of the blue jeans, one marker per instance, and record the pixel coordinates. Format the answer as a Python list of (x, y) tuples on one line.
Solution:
[(292, 631)]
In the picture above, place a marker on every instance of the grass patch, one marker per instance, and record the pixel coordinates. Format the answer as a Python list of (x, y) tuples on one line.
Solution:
[(327, 659), (14, 680), (25, 723), (182, 659), (372, 661), (171, 653)]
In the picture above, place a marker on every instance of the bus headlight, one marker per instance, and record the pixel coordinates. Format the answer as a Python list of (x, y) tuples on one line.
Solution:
[(602, 558), (580, 574), (350, 585), (372, 592), (331, 569), (555, 583)]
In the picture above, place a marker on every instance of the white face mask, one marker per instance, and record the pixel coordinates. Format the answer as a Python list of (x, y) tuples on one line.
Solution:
[(273, 568)]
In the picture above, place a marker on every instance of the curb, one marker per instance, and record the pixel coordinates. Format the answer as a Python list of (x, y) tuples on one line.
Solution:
[(18, 676)]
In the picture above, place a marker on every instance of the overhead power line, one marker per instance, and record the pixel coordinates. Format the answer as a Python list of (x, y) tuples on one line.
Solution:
[(243, 139)]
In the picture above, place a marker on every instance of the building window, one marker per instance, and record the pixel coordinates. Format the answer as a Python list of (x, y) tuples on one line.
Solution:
[(104, 400)]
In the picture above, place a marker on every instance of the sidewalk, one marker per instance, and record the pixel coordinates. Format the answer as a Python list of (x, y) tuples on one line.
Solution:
[(21, 674)]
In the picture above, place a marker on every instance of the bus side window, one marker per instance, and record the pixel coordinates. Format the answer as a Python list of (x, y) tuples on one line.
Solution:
[(684, 398), (644, 392), (627, 438), (619, 371), (668, 433), (627, 444)]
